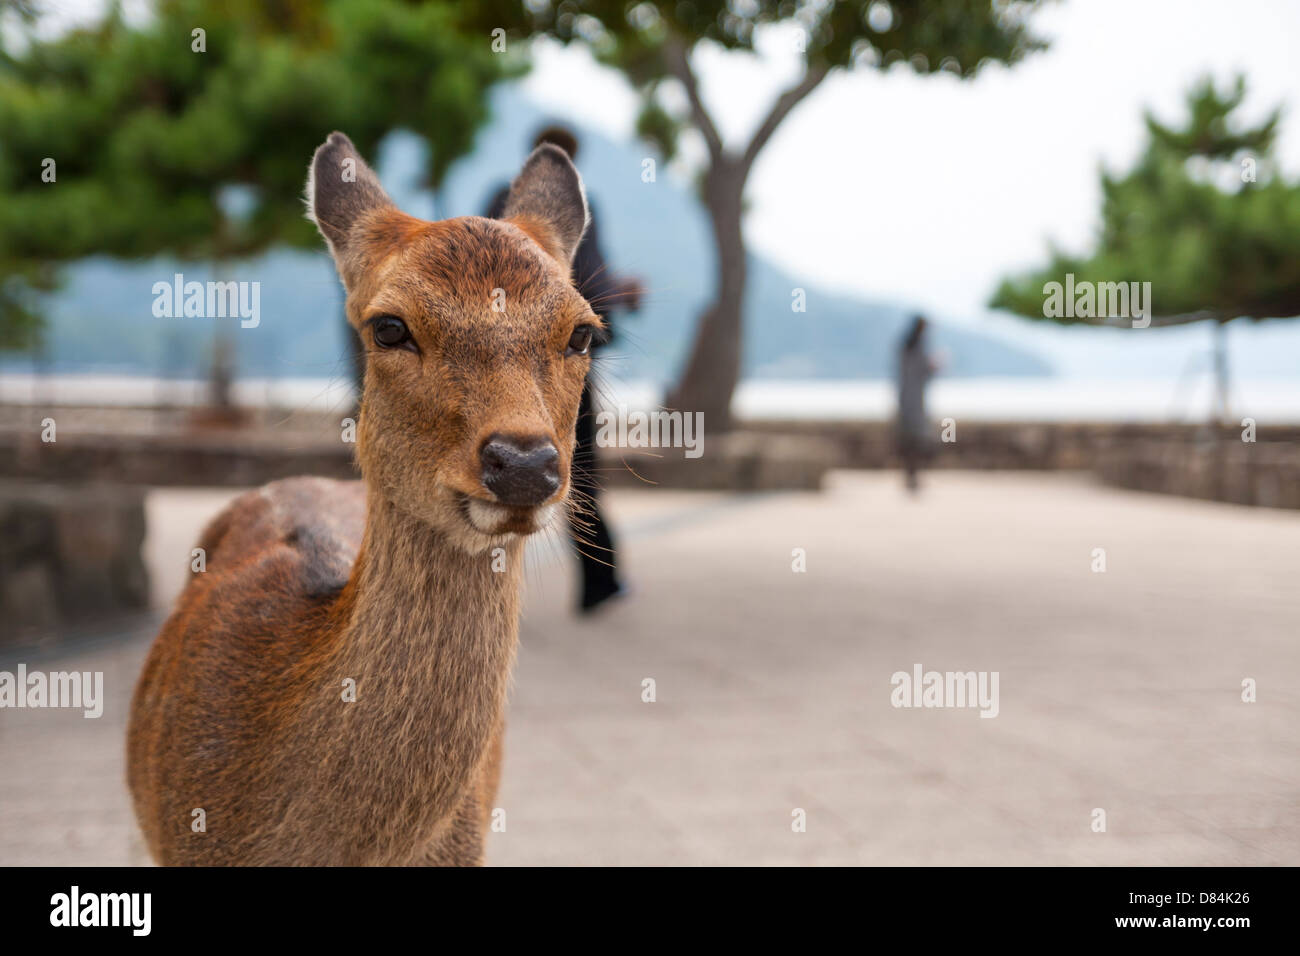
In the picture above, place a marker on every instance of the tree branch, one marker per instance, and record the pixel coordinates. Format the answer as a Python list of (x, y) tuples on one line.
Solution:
[(679, 65), (1162, 321), (787, 101)]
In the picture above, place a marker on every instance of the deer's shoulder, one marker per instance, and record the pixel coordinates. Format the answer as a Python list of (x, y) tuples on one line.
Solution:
[(300, 533)]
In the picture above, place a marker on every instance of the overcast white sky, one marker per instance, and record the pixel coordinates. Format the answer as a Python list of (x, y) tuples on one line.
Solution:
[(927, 190)]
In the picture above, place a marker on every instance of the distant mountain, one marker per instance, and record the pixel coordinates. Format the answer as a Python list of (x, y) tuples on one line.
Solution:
[(103, 320)]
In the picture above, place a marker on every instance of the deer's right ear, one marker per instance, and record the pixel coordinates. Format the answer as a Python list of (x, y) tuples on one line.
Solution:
[(341, 189), (547, 195)]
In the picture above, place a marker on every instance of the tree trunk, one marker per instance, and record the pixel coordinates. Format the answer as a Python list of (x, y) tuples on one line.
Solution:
[(221, 364), (1221, 369), (221, 372), (713, 369)]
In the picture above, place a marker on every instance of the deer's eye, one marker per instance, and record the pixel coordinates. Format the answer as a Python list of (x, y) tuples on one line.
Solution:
[(391, 332), (580, 340)]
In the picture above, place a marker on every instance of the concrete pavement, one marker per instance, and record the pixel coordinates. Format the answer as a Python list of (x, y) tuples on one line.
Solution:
[(1119, 690)]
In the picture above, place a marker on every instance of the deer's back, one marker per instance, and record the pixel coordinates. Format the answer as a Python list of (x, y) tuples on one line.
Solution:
[(277, 560)]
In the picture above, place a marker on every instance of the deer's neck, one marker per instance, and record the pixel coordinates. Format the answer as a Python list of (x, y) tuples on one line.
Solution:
[(414, 591), (428, 632)]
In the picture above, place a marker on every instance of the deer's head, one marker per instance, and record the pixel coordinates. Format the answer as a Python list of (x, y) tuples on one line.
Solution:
[(476, 343)]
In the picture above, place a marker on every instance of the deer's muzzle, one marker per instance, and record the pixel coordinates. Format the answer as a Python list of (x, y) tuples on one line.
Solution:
[(520, 472)]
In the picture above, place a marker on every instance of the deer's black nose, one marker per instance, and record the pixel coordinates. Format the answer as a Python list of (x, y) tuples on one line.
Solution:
[(520, 471)]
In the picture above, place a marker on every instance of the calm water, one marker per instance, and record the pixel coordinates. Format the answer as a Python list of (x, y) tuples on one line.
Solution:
[(1023, 399)]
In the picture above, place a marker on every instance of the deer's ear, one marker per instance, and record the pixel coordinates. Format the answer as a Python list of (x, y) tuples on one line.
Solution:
[(548, 196), (341, 189)]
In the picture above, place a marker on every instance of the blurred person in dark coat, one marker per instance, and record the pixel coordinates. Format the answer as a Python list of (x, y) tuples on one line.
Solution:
[(605, 291), (915, 369)]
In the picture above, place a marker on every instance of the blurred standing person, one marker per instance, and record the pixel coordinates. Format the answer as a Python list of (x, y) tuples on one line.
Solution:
[(915, 369), (605, 291)]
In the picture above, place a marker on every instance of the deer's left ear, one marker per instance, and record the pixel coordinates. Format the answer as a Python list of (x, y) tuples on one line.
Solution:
[(548, 199)]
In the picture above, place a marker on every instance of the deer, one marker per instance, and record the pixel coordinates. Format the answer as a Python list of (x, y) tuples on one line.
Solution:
[(331, 689)]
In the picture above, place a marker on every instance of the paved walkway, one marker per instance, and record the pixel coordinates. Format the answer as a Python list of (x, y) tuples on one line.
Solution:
[(1118, 690)]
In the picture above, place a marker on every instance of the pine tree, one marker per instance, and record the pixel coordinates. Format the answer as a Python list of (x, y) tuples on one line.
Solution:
[(125, 138), (1204, 216)]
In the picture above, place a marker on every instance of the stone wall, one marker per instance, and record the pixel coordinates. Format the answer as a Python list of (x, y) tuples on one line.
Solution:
[(766, 455), (233, 459), (68, 555), (1050, 446), (1264, 474)]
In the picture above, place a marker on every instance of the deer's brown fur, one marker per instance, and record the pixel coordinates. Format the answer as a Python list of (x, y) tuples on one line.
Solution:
[(394, 582)]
